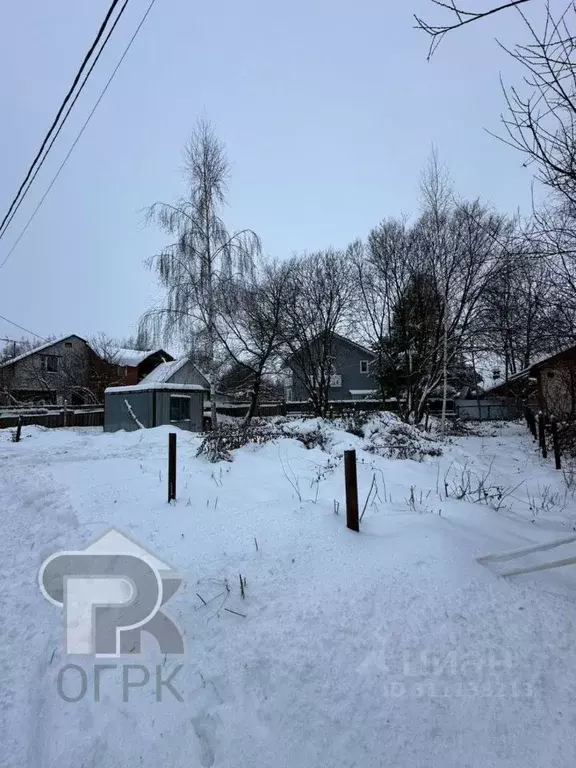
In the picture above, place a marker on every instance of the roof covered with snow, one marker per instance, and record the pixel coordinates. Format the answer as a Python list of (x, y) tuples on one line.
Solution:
[(544, 359), (560, 355), (133, 357), (41, 348), (142, 387), (164, 371), (121, 356)]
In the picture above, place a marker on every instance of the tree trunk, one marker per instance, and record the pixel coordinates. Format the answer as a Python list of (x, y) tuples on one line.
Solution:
[(213, 411), (445, 365), (253, 400)]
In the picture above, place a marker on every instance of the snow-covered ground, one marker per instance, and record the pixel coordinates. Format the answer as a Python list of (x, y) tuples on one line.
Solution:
[(392, 647)]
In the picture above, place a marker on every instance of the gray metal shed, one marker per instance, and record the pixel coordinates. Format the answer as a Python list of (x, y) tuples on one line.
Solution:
[(153, 404)]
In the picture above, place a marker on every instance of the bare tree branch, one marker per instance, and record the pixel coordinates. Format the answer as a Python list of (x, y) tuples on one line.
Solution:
[(438, 31)]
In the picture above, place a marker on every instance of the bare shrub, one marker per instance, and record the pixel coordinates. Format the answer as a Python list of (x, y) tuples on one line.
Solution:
[(395, 440), (477, 488), (217, 445), (548, 502), (310, 438), (353, 422)]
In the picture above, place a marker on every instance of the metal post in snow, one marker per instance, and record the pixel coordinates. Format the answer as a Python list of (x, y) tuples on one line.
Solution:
[(171, 466), (556, 443), (351, 482)]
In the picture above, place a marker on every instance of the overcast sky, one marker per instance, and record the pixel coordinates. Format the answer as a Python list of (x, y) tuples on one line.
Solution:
[(328, 109)]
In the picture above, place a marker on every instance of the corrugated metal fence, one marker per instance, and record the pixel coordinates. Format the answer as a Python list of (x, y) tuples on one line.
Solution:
[(486, 410)]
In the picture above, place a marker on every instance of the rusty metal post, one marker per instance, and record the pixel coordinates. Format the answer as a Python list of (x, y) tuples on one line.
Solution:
[(556, 443), (542, 435), (351, 482), (172, 466)]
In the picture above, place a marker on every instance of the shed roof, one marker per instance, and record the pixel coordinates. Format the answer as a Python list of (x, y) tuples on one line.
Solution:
[(568, 353), (501, 387), (154, 385), (164, 371)]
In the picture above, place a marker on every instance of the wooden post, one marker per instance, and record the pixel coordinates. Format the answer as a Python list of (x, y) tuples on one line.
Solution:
[(351, 482), (65, 412), (533, 424), (528, 416), (556, 443), (18, 430), (542, 435), (172, 466)]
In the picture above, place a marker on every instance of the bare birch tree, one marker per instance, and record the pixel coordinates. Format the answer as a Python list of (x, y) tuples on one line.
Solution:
[(204, 259), (437, 197)]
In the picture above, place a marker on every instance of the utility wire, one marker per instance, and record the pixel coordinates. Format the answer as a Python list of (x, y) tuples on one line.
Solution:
[(60, 111), (70, 108), (77, 139), (22, 328)]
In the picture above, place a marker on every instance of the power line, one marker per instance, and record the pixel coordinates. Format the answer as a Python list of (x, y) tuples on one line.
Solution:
[(61, 110), (77, 139), (70, 108), (26, 330)]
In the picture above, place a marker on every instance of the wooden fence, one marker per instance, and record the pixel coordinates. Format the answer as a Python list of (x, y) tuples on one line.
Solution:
[(39, 408), (54, 419)]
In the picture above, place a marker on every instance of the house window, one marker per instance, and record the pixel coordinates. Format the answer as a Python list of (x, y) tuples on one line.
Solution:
[(364, 366), (179, 408), (335, 380), (289, 395), (68, 344), (49, 363), (122, 370), (550, 374)]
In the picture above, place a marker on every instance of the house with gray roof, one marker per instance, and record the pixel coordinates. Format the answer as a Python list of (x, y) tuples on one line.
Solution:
[(50, 373), (352, 375), (70, 368)]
